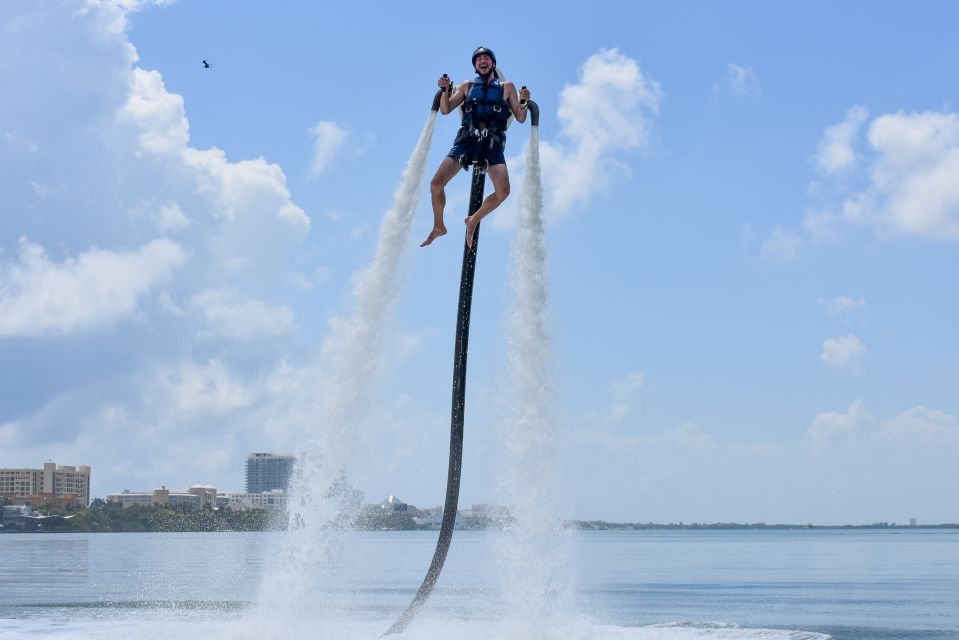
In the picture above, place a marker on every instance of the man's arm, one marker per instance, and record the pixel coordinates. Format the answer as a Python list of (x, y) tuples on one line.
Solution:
[(450, 102), (513, 100)]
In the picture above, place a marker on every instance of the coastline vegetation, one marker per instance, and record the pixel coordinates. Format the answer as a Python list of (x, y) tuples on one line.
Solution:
[(103, 516)]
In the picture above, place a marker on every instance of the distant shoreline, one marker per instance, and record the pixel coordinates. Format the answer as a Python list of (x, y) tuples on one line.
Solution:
[(600, 525), (612, 527), (156, 519)]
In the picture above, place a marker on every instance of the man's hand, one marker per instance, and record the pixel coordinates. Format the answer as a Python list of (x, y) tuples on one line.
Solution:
[(524, 95), (444, 82)]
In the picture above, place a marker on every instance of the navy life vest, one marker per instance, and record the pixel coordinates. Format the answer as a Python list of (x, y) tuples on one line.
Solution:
[(485, 112)]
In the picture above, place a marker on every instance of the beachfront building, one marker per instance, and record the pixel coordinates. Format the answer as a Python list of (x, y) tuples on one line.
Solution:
[(60, 485), (162, 496), (274, 500), (269, 472)]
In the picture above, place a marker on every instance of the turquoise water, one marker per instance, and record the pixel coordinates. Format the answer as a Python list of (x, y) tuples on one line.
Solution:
[(848, 584)]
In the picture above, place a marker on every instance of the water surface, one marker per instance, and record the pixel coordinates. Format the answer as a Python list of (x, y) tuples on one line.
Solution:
[(796, 584)]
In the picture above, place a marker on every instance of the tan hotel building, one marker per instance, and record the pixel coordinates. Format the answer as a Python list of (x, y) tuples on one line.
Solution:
[(53, 481)]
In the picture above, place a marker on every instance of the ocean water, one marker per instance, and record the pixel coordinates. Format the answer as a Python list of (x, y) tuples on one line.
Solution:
[(658, 585)]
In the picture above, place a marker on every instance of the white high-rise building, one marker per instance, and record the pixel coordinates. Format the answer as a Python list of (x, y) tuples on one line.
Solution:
[(269, 472)]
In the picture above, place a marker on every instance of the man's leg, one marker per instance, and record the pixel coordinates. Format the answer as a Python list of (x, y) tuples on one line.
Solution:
[(499, 176), (444, 174)]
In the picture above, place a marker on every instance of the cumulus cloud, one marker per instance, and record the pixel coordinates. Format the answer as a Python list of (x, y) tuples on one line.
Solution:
[(242, 318), (209, 388), (844, 352), (781, 246), (159, 115), (841, 305), (919, 426), (832, 426), (915, 176), (328, 141), (905, 174), (848, 467), (596, 131), (836, 153), (122, 217), (923, 425), (741, 81), (251, 220), (40, 297), (171, 218)]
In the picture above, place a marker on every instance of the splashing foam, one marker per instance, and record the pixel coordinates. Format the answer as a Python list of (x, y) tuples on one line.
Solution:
[(535, 550), (320, 496)]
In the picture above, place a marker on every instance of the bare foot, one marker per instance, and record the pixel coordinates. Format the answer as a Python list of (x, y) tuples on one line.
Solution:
[(471, 223), (437, 231)]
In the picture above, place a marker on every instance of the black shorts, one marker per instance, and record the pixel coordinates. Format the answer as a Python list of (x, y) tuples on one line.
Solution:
[(478, 150)]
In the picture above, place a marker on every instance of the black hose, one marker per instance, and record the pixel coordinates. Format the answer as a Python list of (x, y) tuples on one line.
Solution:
[(533, 112), (459, 395), (457, 413)]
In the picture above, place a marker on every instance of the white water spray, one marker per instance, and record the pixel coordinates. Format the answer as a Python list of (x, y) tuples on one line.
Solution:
[(535, 550), (319, 496)]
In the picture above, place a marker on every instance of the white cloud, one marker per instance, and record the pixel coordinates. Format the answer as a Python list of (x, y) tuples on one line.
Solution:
[(608, 112), (623, 391), (250, 220), (741, 81), (209, 388), (170, 420), (40, 297), (841, 305), (920, 424), (97, 157), (242, 318), (836, 153), (782, 245), (906, 172), (843, 352), (359, 230), (162, 123), (171, 218), (915, 177), (13, 138), (686, 437), (247, 191), (328, 140), (833, 426), (631, 383)]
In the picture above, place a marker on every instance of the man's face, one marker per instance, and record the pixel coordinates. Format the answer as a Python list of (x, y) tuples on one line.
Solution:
[(484, 64)]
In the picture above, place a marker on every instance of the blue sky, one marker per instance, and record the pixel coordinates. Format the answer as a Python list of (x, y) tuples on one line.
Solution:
[(753, 217)]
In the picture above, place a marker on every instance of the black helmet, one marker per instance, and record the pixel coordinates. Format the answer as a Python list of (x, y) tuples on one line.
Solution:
[(481, 50)]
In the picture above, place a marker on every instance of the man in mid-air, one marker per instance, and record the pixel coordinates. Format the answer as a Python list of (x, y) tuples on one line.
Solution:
[(487, 105)]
